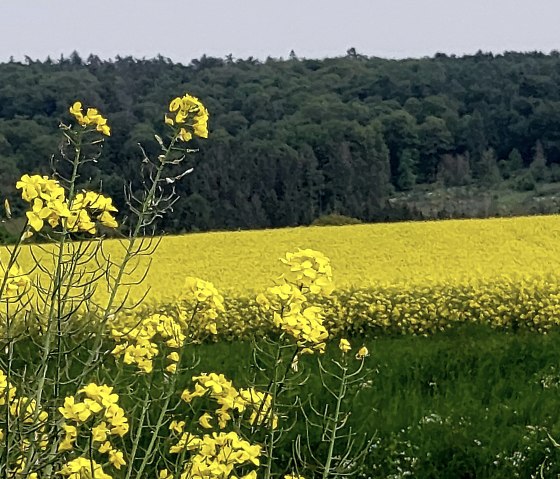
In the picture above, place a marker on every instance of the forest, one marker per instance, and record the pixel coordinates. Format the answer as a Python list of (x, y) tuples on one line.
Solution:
[(292, 140)]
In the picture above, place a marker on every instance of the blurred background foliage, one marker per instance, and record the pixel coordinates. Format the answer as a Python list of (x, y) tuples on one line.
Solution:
[(293, 140)]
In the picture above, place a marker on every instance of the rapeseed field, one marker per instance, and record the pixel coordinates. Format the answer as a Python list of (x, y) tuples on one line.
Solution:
[(411, 253), (403, 254), (398, 254), (401, 278)]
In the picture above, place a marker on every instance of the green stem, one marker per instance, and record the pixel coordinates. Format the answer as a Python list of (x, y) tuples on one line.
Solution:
[(57, 284), (169, 391), (138, 435), (334, 422), (155, 432), (273, 389), (7, 391), (146, 206)]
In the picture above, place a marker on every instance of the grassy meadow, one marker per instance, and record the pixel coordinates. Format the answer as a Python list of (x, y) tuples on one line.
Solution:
[(469, 403)]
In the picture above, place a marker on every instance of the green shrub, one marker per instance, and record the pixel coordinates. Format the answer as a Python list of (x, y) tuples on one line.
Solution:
[(335, 219)]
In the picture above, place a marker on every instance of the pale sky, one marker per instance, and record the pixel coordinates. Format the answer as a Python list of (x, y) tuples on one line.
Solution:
[(182, 29)]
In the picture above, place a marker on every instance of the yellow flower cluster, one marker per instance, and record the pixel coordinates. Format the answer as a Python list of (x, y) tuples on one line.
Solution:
[(201, 302), (253, 405), (17, 283), (91, 118), (309, 273), (216, 456), (305, 325), (100, 404), (49, 203), (188, 111), (137, 339), (81, 468), (87, 204)]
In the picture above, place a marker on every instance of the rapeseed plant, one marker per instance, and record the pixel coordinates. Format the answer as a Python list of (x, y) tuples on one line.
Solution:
[(68, 409)]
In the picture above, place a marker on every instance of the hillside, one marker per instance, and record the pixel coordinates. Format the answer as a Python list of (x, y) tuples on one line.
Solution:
[(292, 140)]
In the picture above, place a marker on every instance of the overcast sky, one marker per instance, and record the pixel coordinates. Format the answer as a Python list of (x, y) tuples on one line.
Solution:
[(182, 29)]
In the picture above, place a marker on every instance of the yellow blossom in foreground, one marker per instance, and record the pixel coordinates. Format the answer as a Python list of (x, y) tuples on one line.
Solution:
[(42, 187), (190, 116), (102, 394), (105, 418), (67, 443), (49, 204), (171, 368), (204, 421), (78, 411), (116, 458), (218, 454), (254, 406), (344, 345), (99, 432), (362, 353), (83, 468), (177, 426), (91, 118)]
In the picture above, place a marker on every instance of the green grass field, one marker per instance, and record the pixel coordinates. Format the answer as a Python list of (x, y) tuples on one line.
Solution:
[(472, 403)]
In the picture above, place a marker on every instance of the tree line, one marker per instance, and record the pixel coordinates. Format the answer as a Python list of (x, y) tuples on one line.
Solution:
[(292, 140)]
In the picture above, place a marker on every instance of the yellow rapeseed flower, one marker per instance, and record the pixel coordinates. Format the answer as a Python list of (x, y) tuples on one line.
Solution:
[(204, 421), (344, 345), (92, 117), (190, 117), (362, 353), (83, 468)]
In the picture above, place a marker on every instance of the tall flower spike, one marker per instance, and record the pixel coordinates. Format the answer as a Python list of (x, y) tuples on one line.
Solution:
[(92, 117), (188, 117)]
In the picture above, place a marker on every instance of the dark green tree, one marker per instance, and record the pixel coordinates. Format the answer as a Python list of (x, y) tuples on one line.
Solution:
[(488, 171), (406, 177), (538, 166)]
